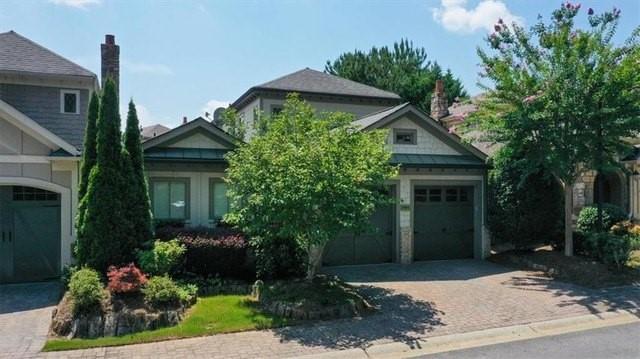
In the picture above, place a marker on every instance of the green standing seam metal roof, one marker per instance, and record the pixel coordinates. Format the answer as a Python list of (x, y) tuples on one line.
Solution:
[(185, 154), (436, 161)]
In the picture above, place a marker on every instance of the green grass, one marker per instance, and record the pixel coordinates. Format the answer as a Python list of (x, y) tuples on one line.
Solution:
[(210, 315)]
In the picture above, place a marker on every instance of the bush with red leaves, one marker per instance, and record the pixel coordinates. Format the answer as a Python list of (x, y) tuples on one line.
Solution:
[(125, 280)]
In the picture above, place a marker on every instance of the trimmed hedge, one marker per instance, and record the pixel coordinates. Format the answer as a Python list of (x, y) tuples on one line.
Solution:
[(588, 218), (217, 251)]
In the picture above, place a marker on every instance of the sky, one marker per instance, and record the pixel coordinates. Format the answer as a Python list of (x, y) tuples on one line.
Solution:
[(184, 57)]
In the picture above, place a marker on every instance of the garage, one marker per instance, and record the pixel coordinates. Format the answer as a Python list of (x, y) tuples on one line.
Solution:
[(375, 246), (443, 222), (29, 234)]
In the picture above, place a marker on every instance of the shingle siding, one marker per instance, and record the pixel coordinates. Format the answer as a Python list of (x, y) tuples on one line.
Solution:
[(42, 104)]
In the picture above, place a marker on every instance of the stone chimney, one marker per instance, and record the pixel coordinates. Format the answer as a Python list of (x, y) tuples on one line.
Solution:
[(439, 106), (110, 56)]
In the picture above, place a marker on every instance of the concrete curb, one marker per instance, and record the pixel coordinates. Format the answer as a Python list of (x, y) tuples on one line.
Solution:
[(486, 337)]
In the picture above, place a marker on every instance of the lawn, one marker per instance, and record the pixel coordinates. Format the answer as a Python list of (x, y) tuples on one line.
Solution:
[(210, 315)]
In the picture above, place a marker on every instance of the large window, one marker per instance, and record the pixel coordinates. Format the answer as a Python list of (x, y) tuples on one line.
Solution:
[(170, 198), (218, 201)]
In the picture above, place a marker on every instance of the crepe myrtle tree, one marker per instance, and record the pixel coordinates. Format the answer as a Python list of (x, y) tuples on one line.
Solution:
[(564, 97), (308, 178)]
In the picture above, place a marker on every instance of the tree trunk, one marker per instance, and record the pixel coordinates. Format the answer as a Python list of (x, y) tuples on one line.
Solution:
[(600, 190), (314, 261), (568, 219)]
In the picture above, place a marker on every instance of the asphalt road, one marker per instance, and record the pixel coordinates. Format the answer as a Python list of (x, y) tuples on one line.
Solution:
[(613, 342)]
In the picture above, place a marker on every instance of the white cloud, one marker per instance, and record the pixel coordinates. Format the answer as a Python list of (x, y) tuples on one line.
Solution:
[(455, 17), (78, 4), (212, 105), (144, 68)]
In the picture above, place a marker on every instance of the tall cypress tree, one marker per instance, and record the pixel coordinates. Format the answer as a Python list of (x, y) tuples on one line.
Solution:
[(137, 206), (104, 229)]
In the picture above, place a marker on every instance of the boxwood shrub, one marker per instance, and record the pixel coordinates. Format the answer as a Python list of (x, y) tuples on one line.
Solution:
[(588, 218), (86, 290)]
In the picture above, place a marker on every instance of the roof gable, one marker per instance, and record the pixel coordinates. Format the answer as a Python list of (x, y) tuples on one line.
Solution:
[(385, 118), (21, 55), (198, 129)]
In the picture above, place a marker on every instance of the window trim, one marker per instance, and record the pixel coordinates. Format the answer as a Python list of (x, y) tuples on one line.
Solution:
[(273, 108), (74, 92), (411, 131), (187, 195), (212, 182)]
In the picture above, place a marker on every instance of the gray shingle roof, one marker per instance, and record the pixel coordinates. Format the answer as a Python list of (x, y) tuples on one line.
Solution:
[(185, 154), (154, 130), (372, 118), (19, 54), (436, 161)]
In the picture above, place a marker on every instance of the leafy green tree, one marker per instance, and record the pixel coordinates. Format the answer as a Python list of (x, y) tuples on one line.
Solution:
[(137, 206), (307, 179), (402, 69), (104, 229), (233, 123), (564, 97)]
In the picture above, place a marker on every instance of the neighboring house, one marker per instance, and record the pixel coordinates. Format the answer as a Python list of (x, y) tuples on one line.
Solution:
[(621, 188), (153, 131), (43, 107), (440, 192)]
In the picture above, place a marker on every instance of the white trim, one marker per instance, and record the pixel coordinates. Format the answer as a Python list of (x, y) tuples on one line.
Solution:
[(42, 80), (66, 218), (23, 159), (32, 128), (72, 92)]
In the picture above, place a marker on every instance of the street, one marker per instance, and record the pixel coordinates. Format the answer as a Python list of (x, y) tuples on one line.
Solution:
[(612, 342)]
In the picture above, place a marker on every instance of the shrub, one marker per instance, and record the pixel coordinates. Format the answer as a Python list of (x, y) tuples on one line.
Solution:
[(125, 280), (588, 217), (278, 258), (217, 251), (609, 248), (163, 291), (166, 229), (86, 290), (67, 273), (523, 211), (163, 258)]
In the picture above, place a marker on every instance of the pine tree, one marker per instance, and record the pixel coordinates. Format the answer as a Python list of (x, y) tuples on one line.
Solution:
[(137, 207), (104, 228)]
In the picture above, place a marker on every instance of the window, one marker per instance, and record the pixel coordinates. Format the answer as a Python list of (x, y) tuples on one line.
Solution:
[(435, 195), (70, 101), (451, 194), (21, 193), (170, 198), (404, 137), (275, 110), (218, 201), (420, 195)]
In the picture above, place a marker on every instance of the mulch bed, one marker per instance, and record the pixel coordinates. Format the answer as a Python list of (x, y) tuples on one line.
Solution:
[(577, 270)]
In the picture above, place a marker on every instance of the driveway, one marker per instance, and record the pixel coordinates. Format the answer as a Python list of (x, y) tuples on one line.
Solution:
[(416, 301), (25, 314)]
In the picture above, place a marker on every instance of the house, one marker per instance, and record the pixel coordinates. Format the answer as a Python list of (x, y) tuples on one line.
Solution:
[(440, 191), (439, 212), (43, 107)]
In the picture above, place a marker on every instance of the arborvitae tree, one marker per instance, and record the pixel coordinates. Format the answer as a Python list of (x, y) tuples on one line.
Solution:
[(104, 229), (137, 208), (87, 162), (89, 152)]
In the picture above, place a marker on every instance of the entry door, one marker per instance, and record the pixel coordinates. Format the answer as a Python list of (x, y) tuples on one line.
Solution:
[(443, 223), (6, 235)]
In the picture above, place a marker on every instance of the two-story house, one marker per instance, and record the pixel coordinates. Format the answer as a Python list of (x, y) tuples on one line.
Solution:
[(43, 107), (439, 212)]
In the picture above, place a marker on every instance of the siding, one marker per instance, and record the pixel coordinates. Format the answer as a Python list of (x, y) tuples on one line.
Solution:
[(426, 142), (42, 104)]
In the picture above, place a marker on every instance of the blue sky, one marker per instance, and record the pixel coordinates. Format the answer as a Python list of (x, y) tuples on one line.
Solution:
[(181, 57)]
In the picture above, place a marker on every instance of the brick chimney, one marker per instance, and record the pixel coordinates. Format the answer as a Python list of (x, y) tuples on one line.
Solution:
[(439, 105), (110, 56)]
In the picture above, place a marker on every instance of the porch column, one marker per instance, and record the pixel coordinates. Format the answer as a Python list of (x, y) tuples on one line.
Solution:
[(406, 229)]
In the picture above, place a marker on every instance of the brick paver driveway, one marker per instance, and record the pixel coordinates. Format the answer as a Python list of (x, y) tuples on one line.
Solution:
[(416, 301), (25, 314)]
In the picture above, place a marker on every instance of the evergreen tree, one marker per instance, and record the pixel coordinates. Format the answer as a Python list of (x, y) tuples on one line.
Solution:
[(104, 229), (137, 206)]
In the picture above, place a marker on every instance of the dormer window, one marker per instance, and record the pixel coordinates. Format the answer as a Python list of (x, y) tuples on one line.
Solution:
[(70, 101), (404, 136)]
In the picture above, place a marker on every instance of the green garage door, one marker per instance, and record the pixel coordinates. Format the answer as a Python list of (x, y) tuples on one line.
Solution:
[(368, 248), (30, 234), (443, 223)]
